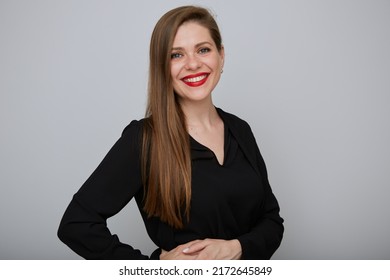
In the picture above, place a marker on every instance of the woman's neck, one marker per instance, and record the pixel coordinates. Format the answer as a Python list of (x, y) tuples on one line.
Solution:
[(200, 114)]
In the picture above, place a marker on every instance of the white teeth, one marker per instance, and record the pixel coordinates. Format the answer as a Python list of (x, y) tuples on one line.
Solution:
[(196, 79)]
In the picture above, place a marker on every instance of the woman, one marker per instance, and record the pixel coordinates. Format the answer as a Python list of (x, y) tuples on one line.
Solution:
[(194, 170)]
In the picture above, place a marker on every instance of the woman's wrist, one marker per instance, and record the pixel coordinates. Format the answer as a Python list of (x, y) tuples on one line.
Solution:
[(236, 249)]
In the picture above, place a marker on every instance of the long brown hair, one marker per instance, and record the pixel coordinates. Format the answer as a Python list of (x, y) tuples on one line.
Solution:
[(166, 158)]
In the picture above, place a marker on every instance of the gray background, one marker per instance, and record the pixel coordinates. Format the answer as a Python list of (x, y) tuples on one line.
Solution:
[(311, 77)]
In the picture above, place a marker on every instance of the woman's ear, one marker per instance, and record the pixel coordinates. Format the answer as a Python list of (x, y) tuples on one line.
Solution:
[(222, 54)]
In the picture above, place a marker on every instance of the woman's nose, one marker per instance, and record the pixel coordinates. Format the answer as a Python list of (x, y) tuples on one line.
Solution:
[(192, 62)]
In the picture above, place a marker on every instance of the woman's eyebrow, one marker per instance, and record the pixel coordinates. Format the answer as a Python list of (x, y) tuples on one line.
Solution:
[(196, 46)]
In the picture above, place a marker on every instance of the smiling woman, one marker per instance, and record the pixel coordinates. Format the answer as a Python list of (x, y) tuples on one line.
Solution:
[(195, 171), (196, 64)]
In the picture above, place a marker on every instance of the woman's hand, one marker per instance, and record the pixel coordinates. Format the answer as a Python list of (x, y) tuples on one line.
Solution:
[(207, 249), (215, 249), (178, 254)]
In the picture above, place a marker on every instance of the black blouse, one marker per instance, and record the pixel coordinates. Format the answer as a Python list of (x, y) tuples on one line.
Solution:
[(229, 201)]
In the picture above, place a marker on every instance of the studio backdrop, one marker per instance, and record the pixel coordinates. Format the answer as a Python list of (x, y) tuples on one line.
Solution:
[(312, 78)]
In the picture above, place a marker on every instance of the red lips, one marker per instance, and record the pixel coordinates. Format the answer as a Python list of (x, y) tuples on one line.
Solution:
[(195, 80)]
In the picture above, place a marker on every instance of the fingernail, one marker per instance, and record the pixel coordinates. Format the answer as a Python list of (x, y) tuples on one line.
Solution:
[(186, 250)]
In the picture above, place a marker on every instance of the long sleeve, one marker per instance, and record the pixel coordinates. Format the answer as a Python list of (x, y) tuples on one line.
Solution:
[(111, 186), (265, 237)]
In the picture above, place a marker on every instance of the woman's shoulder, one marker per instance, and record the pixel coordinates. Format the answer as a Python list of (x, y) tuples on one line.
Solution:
[(233, 121), (135, 126)]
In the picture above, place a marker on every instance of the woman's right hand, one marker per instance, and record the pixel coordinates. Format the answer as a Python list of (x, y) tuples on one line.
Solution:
[(207, 249), (178, 254)]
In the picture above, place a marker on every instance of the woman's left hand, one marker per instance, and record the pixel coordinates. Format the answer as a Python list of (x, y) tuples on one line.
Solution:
[(215, 249)]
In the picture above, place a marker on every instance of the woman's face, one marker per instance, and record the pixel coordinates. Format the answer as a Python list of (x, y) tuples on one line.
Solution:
[(196, 63)]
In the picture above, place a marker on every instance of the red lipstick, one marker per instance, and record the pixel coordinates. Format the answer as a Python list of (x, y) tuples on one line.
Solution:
[(195, 80)]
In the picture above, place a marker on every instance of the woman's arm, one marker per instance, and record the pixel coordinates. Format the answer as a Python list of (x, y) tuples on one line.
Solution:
[(265, 237), (110, 187)]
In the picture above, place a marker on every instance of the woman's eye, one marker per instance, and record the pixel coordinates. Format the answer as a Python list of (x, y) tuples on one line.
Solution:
[(176, 55), (204, 50)]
